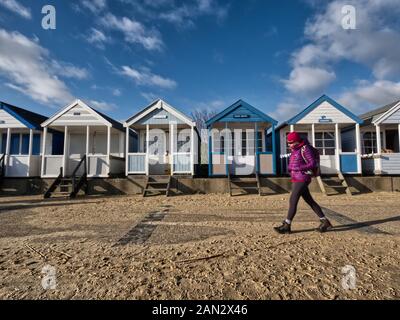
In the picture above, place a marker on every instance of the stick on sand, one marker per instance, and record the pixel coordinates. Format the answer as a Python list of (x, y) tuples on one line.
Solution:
[(60, 252), (199, 259), (34, 250)]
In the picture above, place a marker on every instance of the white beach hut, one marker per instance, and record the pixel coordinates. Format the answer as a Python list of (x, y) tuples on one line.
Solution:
[(322, 124), (79, 132), (380, 140), (20, 142), (167, 142)]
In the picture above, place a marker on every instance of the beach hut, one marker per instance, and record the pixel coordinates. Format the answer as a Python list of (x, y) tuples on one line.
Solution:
[(81, 140), (238, 143), (167, 144), (20, 141), (322, 123), (380, 140)]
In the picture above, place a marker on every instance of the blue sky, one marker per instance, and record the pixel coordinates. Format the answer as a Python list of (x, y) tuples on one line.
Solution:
[(120, 55)]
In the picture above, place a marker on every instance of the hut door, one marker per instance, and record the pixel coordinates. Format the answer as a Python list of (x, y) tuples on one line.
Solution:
[(157, 152), (242, 155)]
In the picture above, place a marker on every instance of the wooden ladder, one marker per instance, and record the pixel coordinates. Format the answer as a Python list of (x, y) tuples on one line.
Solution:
[(345, 184), (69, 186), (238, 184), (322, 182), (156, 186)]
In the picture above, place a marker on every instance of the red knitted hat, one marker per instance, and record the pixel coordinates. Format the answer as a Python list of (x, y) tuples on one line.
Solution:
[(294, 137)]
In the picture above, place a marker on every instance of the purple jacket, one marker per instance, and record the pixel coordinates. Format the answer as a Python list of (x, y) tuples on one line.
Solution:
[(298, 167)]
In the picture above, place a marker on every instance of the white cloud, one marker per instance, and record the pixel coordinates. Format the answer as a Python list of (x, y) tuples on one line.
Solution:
[(133, 31), (184, 15), (286, 110), (17, 8), (145, 77), (116, 92), (149, 96), (367, 94), (102, 106), (30, 70), (68, 70), (375, 44), (97, 38), (94, 6), (308, 81)]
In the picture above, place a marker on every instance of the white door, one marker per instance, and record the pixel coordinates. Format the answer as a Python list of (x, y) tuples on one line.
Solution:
[(326, 145), (157, 152), (242, 159), (77, 149)]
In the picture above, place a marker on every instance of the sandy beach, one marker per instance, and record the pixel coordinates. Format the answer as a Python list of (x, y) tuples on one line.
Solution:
[(198, 247)]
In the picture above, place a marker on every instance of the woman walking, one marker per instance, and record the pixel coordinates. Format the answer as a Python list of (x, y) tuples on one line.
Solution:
[(302, 165)]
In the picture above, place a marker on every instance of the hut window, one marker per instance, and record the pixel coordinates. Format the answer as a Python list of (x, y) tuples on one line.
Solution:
[(226, 143), (19, 144), (3, 143), (244, 143), (259, 142), (325, 143), (77, 113), (369, 143)]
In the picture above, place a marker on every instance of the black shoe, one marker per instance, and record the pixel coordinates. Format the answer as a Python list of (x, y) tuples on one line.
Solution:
[(324, 226), (283, 229)]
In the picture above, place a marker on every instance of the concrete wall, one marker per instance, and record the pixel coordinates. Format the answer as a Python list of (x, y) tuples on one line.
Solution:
[(182, 185)]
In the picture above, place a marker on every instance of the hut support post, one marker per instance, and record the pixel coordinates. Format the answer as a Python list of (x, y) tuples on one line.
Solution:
[(313, 135), (66, 150), (358, 150), (147, 148), (44, 150), (108, 149), (378, 148), (8, 145), (127, 152), (30, 152), (192, 149), (87, 148), (338, 150)]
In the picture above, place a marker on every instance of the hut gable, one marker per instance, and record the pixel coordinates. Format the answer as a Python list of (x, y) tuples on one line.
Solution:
[(325, 110), (241, 112), (9, 121), (392, 116), (77, 114), (160, 116), (158, 113), (14, 117)]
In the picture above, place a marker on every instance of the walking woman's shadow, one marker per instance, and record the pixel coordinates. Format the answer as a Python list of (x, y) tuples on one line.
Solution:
[(366, 227)]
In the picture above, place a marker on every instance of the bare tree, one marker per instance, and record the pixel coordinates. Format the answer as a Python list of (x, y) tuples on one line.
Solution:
[(200, 116)]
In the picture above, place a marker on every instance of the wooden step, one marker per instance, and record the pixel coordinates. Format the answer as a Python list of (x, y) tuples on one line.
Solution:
[(157, 183), (61, 193), (244, 188)]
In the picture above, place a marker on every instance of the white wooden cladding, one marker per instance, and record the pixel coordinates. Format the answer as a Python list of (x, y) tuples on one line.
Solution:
[(78, 116), (325, 109), (9, 121), (393, 118)]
